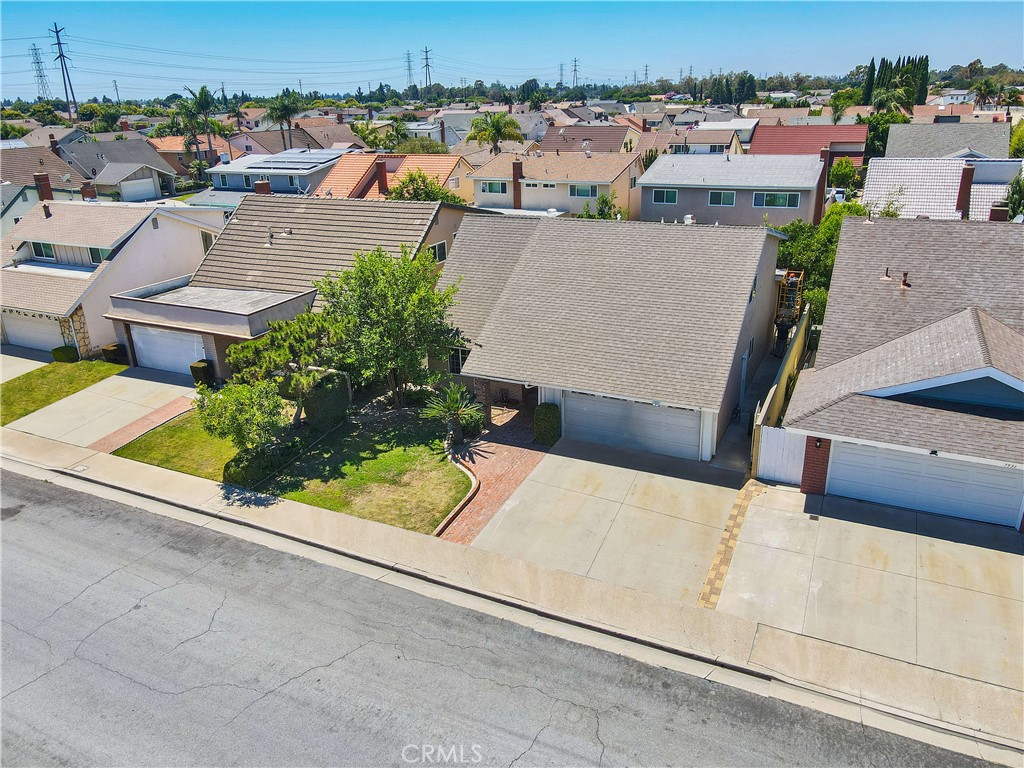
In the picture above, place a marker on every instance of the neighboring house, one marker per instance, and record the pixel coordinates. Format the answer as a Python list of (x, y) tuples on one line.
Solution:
[(477, 154), (862, 110), (558, 118), (916, 398), (359, 175), (295, 171), (334, 135), (949, 140), (601, 318), (782, 114), (64, 259), (563, 183), (272, 142), (953, 96), (680, 141), (262, 268), (46, 135), (937, 187), (840, 140), (933, 113), (691, 115), (590, 138), (119, 135), (15, 201), (23, 165), (131, 169), (254, 119), (734, 189), (172, 150), (225, 199), (744, 127)]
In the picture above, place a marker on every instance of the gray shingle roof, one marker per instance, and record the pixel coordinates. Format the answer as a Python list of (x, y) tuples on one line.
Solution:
[(945, 139), (737, 171), (48, 291), (555, 302), (98, 154), (18, 165), (918, 186), (577, 138)]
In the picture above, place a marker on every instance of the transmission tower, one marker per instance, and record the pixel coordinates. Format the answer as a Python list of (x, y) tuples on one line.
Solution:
[(634, 77), (575, 72), (426, 67), (561, 73), (117, 95), (647, 78), (42, 83), (408, 69), (64, 71)]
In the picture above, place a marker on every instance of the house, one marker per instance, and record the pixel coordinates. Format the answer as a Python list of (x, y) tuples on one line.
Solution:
[(46, 135), (953, 96), (359, 175), (949, 140), (333, 135), (744, 127), (64, 259), (680, 141), (272, 142), (916, 398), (938, 187), (734, 189), (477, 154), (691, 115), (225, 199), (132, 170), (262, 268), (934, 113), (294, 171), (254, 119), (841, 140), (600, 318), (589, 138), (172, 150), (22, 165), (782, 114), (560, 183)]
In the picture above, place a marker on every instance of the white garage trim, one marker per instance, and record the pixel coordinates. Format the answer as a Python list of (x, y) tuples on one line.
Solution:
[(164, 349), (632, 424), (139, 189), (33, 332)]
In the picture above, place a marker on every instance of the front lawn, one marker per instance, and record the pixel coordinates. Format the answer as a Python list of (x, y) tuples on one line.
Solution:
[(182, 445), (36, 389)]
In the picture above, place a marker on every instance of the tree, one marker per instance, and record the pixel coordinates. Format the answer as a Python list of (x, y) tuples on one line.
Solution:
[(238, 115), (1017, 140), (107, 118), (396, 316), (281, 109), (44, 114), (368, 134), (985, 91), (493, 128), (204, 104), (246, 414), (1015, 196), (604, 208), (847, 97), (8, 131), (813, 249), (869, 82), (843, 173), (878, 131), (536, 101), (421, 145), (417, 185), (452, 404)]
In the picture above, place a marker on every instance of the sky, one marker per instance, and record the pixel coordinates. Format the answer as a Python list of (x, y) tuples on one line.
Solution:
[(153, 49)]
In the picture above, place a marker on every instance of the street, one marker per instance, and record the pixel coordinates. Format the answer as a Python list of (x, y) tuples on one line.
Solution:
[(134, 639)]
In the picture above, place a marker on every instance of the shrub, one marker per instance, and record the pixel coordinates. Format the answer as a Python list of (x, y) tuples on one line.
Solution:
[(115, 353), (472, 424), (248, 468), (249, 415), (202, 372), (547, 423), (66, 354), (327, 403), (817, 298)]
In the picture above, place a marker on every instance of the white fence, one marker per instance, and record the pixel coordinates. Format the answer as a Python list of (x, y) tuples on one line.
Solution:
[(781, 456)]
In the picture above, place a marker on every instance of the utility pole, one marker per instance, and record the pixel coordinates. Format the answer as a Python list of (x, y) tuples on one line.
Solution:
[(634, 77), (561, 73), (42, 82), (575, 72), (647, 78), (426, 67), (300, 86), (223, 94), (117, 95), (408, 69), (680, 74), (65, 73)]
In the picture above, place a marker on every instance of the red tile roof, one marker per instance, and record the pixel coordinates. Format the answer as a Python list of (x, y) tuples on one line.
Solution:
[(804, 139), (934, 110)]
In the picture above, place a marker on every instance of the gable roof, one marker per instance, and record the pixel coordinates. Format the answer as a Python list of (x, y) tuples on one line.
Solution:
[(737, 171), (40, 137), (332, 133), (71, 222), (350, 175), (577, 138), (578, 308), (599, 168), (948, 139), (666, 137), (274, 142), (804, 139), (19, 164), (177, 143), (782, 113), (477, 155), (97, 154), (934, 110)]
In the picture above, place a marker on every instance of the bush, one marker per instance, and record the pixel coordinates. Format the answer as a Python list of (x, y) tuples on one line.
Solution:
[(547, 423), (247, 415), (115, 353), (472, 424), (327, 403), (66, 354), (202, 372), (817, 298), (248, 468)]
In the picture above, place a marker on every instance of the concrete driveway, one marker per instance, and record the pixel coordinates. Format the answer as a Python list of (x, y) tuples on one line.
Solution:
[(639, 520), (106, 407), (936, 591), (14, 361)]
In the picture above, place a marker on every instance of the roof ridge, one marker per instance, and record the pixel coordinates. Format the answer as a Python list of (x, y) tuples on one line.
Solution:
[(986, 354)]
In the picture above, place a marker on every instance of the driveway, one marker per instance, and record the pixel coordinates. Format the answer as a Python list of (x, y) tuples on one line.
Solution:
[(639, 520), (107, 406), (14, 361), (936, 591)]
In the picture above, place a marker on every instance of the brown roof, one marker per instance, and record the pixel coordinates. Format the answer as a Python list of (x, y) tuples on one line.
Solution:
[(477, 155), (17, 166), (855, 111), (782, 113), (577, 138), (40, 137), (599, 168), (177, 143), (663, 139), (933, 110), (273, 141), (805, 139), (331, 133), (352, 172)]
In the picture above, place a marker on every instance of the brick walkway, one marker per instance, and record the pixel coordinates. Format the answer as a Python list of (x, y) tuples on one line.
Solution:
[(501, 460), (139, 427), (715, 580)]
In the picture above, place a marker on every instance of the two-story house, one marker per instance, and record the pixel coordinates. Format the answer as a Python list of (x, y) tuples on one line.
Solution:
[(294, 171), (172, 150), (680, 141), (31, 174)]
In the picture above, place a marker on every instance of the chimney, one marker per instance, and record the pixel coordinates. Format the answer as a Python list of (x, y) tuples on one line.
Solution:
[(42, 182), (510, 109), (88, 191), (819, 202), (369, 113), (46, 210), (999, 212), (647, 127), (443, 141), (905, 282), (125, 125), (963, 195), (296, 126), (53, 145), (517, 187), (261, 187), (380, 168), (340, 118)]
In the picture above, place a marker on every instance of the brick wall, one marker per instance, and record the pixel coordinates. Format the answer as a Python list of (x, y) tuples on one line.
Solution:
[(815, 465)]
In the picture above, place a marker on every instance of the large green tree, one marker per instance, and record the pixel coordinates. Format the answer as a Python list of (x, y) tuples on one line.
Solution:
[(249, 415), (417, 185), (421, 145), (493, 128), (1015, 196), (878, 131), (204, 104)]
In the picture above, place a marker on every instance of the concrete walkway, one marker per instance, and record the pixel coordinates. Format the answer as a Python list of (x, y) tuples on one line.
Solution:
[(15, 361)]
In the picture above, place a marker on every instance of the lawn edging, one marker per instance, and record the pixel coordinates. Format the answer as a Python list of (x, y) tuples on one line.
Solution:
[(473, 488)]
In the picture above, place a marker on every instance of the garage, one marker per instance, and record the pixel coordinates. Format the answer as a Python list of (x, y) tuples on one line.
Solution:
[(32, 332), (139, 189), (945, 486), (166, 350), (630, 424)]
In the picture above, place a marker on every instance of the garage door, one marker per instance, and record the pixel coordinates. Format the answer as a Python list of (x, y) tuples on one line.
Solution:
[(140, 189), (928, 483), (32, 332), (166, 350), (628, 424)]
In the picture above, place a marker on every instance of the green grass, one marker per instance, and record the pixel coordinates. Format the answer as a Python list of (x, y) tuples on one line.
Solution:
[(182, 445), (36, 389), (184, 197)]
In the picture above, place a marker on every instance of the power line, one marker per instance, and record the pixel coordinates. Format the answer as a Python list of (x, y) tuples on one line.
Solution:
[(408, 69), (426, 67), (65, 74), (42, 83)]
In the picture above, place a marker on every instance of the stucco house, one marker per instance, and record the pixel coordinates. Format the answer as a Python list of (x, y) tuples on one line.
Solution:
[(131, 170), (172, 150), (294, 171), (371, 176), (25, 180), (680, 141), (611, 137)]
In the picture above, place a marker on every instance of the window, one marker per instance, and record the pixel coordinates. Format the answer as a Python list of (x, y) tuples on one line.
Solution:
[(680, 149), (223, 179), (247, 181), (248, 147), (583, 190), (632, 182), (494, 187), (716, 149), (665, 196), (256, 123), (457, 359), (548, 185), (97, 255), (156, 224), (530, 185), (17, 219), (207, 241), (717, 197), (291, 181), (264, 177), (776, 199), (439, 250), (43, 251), (454, 183), (753, 290), (181, 158)]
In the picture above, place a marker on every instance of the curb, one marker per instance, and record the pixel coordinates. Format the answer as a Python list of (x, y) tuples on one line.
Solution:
[(452, 516)]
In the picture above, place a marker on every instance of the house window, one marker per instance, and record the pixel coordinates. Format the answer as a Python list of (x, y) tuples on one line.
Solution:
[(530, 185), (776, 199), (43, 251), (632, 182), (97, 255), (494, 187), (718, 197), (181, 158), (207, 241), (256, 123), (548, 185), (291, 181), (583, 190), (248, 147), (439, 251), (247, 181), (223, 179), (17, 219), (457, 359), (680, 149), (716, 149), (753, 290), (665, 196)]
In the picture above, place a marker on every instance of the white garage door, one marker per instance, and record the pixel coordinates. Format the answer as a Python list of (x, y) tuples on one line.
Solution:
[(139, 189), (928, 483), (628, 424), (166, 350), (33, 332)]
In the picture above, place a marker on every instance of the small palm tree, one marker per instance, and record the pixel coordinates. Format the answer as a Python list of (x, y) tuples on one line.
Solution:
[(984, 91), (368, 134), (204, 104), (493, 128), (237, 114), (452, 404), (897, 97), (282, 109)]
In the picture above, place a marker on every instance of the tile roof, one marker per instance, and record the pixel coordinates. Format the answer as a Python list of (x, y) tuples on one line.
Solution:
[(804, 139), (476, 155), (920, 186), (739, 171), (576, 138), (946, 139), (18, 165), (177, 143), (864, 110), (553, 301), (599, 168), (666, 137), (437, 167), (97, 154), (349, 176), (934, 110), (983, 197)]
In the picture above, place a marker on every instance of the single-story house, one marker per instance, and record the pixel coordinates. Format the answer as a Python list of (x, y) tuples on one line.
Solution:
[(590, 138), (172, 150), (294, 171), (841, 141), (682, 141), (744, 127), (361, 175), (64, 259), (967, 140), (734, 189), (601, 318), (916, 398), (132, 170), (272, 142)]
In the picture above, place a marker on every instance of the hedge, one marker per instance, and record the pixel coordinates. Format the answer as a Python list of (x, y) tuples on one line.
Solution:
[(547, 423), (327, 403), (67, 354)]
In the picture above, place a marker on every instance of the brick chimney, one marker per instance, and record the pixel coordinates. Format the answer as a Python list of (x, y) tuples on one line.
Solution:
[(261, 187), (53, 145), (819, 202), (296, 126), (369, 113), (380, 169), (340, 118), (442, 133), (999, 212), (125, 125), (517, 186), (88, 191), (510, 109), (42, 182), (963, 195)]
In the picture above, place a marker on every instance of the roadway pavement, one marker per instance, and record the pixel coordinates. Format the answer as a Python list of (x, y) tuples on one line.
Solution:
[(134, 639)]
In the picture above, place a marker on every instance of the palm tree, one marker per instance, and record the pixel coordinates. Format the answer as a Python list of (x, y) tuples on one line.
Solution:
[(368, 134), (277, 113), (493, 128), (237, 114), (189, 121), (453, 403), (204, 104), (282, 109), (897, 97), (984, 91), (399, 132)]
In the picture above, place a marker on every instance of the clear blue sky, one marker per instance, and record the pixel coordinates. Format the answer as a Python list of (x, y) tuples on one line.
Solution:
[(153, 49)]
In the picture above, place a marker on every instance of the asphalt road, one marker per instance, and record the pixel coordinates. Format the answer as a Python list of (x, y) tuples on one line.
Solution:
[(133, 639)]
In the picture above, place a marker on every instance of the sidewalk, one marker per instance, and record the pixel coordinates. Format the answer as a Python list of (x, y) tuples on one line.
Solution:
[(857, 684)]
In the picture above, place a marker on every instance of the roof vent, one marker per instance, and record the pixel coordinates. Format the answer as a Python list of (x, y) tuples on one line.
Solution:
[(886, 277), (270, 236), (586, 153), (46, 211), (905, 282)]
